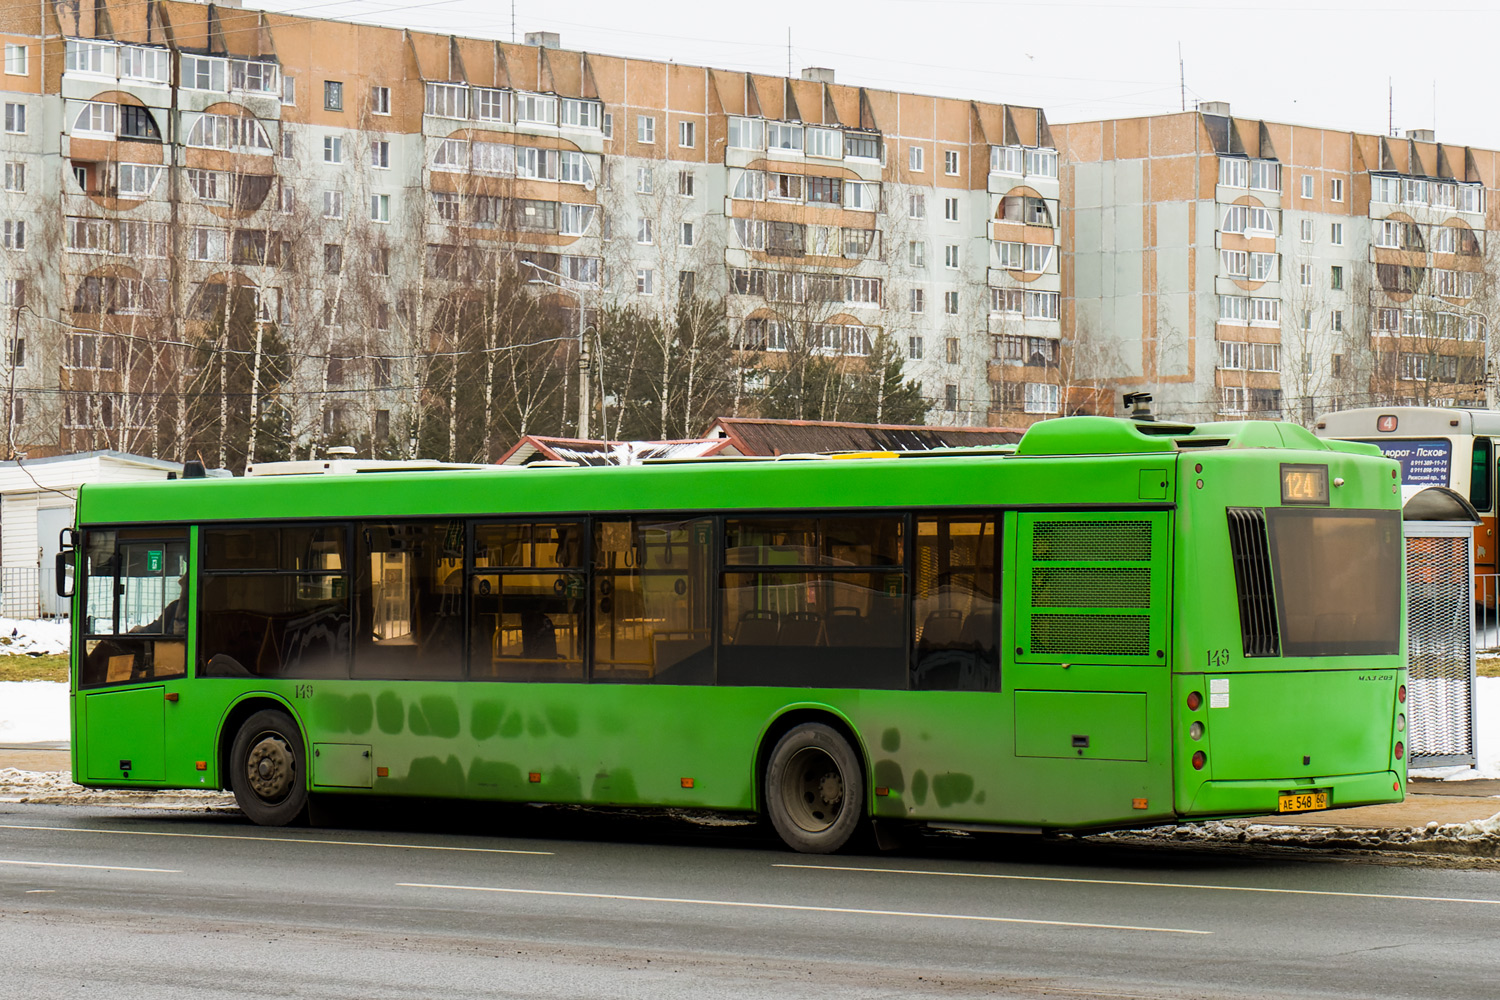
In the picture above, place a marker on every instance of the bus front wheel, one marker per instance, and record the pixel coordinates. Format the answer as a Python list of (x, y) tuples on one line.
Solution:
[(815, 789), (268, 769)]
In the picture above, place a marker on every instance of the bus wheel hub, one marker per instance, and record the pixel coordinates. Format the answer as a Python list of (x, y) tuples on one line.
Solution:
[(270, 767)]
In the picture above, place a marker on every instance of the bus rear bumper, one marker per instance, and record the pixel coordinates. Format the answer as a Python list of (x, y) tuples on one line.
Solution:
[(1259, 797)]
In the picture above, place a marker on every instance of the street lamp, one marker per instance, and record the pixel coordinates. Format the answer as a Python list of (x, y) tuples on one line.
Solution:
[(583, 344)]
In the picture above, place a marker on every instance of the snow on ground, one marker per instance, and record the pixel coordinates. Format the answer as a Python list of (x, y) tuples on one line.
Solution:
[(33, 712), (18, 636)]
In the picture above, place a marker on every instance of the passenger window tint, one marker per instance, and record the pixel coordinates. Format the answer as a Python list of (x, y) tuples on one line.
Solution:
[(955, 601), (1480, 476), (527, 594), (839, 625), (409, 588), (275, 602), (652, 600)]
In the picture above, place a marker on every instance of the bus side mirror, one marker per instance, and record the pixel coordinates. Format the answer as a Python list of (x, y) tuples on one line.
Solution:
[(63, 575)]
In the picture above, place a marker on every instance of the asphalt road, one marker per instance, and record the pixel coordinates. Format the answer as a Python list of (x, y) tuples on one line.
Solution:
[(121, 904)]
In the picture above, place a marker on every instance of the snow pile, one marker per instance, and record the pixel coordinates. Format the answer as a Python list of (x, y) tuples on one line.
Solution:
[(33, 712), (57, 788), (32, 638), (1477, 837)]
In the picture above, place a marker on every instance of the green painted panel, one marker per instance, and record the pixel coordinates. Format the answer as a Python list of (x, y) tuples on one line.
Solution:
[(1087, 725), (125, 726), (342, 765)]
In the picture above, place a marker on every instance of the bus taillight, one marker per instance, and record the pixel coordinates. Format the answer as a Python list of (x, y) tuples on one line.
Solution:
[(1195, 701), (1401, 694), (1200, 760), (1400, 749)]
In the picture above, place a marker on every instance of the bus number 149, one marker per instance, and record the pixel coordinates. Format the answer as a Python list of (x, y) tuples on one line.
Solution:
[(1218, 657)]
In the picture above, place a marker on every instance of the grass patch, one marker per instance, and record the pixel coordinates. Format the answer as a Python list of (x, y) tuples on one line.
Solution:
[(1489, 666), (52, 667)]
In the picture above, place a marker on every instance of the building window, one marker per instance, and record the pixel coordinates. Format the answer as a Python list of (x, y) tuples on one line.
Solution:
[(918, 300), (380, 261), (333, 95), (15, 177), (950, 209), (950, 162), (950, 255), (289, 91), (16, 356), (645, 128), (1336, 278), (950, 397), (1336, 234), (333, 258), (15, 60), (953, 350), (1305, 274), (15, 119), (914, 348), (380, 154), (608, 128), (645, 182), (1338, 322), (1042, 397), (687, 134), (333, 149), (916, 253), (914, 157), (687, 234), (644, 232), (950, 303), (333, 204), (380, 208), (917, 207), (1307, 185), (13, 234), (1307, 231), (1336, 189), (645, 280), (380, 100)]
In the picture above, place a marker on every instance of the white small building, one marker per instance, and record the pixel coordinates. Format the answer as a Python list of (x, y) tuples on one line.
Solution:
[(37, 497)]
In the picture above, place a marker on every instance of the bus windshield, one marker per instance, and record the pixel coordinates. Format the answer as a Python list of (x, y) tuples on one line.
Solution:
[(1338, 580)]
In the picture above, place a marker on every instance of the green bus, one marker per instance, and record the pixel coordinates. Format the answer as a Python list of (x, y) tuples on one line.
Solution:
[(1112, 624)]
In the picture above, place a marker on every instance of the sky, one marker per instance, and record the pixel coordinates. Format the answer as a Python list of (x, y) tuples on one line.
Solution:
[(1330, 63)]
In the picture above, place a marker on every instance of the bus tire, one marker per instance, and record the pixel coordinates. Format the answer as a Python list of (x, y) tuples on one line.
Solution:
[(268, 769), (815, 789)]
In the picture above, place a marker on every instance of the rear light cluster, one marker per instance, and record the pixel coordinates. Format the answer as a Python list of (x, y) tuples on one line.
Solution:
[(1400, 749), (1195, 702)]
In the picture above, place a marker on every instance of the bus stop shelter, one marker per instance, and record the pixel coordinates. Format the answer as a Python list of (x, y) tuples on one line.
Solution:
[(1438, 525)]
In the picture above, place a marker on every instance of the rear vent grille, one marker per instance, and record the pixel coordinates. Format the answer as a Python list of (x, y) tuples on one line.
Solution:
[(1101, 635), (1091, 587), (1091, 541), (1252, 581)]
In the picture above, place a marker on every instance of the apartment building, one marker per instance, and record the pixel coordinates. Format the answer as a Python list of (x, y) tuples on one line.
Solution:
[(1243, 269), (187, 182)]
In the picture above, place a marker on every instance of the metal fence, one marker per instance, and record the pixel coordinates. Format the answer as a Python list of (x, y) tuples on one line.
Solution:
[(1440, 643), (30, 592)]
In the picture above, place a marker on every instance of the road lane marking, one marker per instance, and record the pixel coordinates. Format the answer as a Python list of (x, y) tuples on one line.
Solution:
[(273, 840), (1153, 885), (804, 909), (102, 868)]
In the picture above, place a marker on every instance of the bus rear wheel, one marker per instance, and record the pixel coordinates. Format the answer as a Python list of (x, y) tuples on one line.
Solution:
[(268, 769), (815, 789)]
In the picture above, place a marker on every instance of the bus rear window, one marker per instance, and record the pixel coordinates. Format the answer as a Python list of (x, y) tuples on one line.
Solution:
[(1338, 580)]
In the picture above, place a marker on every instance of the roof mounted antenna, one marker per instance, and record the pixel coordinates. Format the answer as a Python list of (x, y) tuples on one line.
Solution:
[(1140, 406)]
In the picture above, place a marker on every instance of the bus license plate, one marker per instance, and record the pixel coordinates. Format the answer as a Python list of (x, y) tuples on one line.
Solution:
[(1293, 802)]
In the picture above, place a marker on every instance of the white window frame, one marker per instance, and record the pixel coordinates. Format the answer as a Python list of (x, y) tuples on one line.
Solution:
[(15, 118), (1336, 234), (205, 73), (645, 281), (825, 143), (645, 129), (915, 159), (534, 109), (380, 154), (446, 100), (333, 204), (17, 59), (950, 210), (747, 133), (687, 134), (1307, 185), (333, 149), (380, 208), (645, 231), (1043, 397), (488, 104), (1335, 189), (950, 162), (783, 137)]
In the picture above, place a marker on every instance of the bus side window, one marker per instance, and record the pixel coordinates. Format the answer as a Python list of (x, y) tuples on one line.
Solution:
[(1482, 475), (955, 604)]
